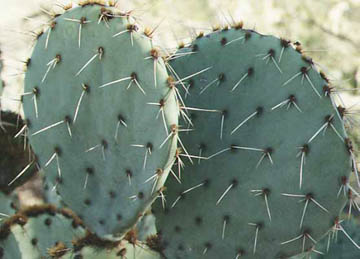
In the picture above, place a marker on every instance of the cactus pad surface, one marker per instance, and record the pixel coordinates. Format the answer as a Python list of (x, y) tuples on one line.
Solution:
[(100, 108), (273, 151)]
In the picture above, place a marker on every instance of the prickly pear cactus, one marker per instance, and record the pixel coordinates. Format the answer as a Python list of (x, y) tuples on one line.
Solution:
[(103, 117), (17, 161), (272, 151), (34, 231)]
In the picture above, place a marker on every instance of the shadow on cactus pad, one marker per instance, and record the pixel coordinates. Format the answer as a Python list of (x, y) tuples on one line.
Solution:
[(15, 154)]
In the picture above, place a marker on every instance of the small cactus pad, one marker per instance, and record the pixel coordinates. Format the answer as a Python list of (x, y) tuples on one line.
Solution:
[(103, 118), (35, 230), (273, 147), (90, 247), (17, 162)]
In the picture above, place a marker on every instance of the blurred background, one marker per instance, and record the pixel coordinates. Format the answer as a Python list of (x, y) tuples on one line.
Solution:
[(328, 31)]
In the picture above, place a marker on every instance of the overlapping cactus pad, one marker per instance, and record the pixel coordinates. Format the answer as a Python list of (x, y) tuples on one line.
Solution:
[(103, 120), (274, 153), (90, 247), (146, 226), (126, 250), (44, 231), (35, 231)]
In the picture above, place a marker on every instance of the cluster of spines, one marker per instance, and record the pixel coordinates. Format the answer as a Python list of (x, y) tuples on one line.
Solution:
[(121, 120), (292, 99)]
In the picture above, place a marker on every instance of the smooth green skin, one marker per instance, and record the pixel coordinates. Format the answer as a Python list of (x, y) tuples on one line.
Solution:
[(50, 195), (49, 192), (109, 188), (139, 251), (284, 130)]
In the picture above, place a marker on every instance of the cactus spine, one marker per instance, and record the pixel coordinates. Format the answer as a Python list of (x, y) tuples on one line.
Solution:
[(100, 110), (266, 156)]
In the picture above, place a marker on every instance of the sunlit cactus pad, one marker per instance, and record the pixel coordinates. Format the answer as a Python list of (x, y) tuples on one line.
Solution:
[(103, 118), (274, 156)]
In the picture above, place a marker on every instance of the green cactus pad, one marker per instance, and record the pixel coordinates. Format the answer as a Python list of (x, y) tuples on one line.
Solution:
[(121, 250), (12, 243), (337, 245), (50, 194), (91, 246), (51, 227), (146, 226), (262, 118), (100, 108), (37, 229)]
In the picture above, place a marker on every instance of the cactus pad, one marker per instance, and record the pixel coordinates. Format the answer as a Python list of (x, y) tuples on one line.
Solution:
[(90, 247), (146, 226), (338, 245), (35, 230), (274, 153), (103, 118)]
